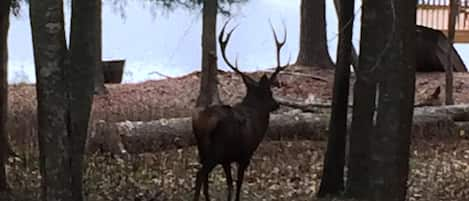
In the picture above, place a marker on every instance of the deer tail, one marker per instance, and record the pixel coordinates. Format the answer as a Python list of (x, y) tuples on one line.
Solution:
[(203, 126)]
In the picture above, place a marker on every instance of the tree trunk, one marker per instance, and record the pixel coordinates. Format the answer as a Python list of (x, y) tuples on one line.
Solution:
[(364, 95), (332, 181), (390, 144), (313, 37), (208, 85), (99, 87), (354, 53), (449, 100), (50, 52), (65, 86), (85, 59), (4, 26), (362, 125)]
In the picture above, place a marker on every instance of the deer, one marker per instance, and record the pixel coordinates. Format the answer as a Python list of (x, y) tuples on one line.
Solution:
[(231, 134)]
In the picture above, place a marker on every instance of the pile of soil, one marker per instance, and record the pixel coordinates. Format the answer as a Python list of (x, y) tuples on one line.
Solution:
[(175, 97)]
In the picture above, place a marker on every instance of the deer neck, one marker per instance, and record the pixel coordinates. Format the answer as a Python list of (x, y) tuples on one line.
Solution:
[(256, 106), (257, 112)]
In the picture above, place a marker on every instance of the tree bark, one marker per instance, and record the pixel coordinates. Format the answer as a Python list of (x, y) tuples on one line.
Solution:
[(332, 181), (390, 144), (4, 145), (449, 100), (65, 84), (208, 85), (99, 87), (313, 37), (364, 97), (85, 59), (354, 53), (50, 52)]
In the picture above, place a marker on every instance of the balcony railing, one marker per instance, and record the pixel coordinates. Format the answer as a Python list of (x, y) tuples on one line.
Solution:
[(435, 13)]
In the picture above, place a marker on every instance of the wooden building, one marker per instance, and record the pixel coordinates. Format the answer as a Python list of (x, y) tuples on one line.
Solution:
[(435, 13), (432, 45)]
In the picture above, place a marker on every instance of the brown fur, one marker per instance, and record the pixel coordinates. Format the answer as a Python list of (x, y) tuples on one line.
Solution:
[(231, 134), (226, 135)]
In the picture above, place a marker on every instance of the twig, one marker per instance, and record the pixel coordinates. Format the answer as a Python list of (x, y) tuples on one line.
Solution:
[(305, 107), (300, 74), (313, 107), (160, 74)]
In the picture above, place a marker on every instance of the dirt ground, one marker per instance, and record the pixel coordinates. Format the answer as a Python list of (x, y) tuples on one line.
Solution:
[(279, 171)]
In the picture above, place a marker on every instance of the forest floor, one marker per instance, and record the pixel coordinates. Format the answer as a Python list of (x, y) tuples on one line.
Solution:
[(285, 170), (288, 170)]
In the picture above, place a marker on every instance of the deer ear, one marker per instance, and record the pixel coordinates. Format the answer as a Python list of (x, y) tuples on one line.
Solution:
[(265, 81)]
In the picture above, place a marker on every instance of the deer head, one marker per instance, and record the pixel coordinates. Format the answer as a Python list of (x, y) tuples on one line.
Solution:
[(259, 93)]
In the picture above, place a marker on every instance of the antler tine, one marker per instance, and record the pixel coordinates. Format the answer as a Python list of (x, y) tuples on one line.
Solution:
[(223, 44), (279, 45)]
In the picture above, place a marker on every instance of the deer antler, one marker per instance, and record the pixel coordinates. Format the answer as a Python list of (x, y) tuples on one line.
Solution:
[(279, 45), (223, 44)]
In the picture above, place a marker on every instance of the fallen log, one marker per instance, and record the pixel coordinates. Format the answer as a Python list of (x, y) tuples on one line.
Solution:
[(432, 100), (164, 134)]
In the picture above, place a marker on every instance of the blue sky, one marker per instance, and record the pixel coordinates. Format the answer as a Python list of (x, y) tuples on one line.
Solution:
[(169, 42)]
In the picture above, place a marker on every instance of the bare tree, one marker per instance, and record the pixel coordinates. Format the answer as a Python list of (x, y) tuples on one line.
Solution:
[(99, 87), (313, 37), (50, 53), (85, 59), (65, 86), (4, 27), (449, 99), (364, 96), (379, 142), (390, 144), (208, 86), (332, 181)]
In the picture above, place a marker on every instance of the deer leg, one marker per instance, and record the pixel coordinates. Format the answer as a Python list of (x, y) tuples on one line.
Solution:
[(242, 167), (229, 179), (208, 169), (198, 183)]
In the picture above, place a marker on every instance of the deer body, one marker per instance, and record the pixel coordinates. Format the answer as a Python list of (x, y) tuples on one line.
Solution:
[(231, 134), (227, 135)]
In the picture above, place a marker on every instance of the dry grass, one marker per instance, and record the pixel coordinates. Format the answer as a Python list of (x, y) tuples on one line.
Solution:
[(279, 171)]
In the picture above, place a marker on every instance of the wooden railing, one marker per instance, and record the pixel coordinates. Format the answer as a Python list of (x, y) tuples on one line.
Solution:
[(434, 14)]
